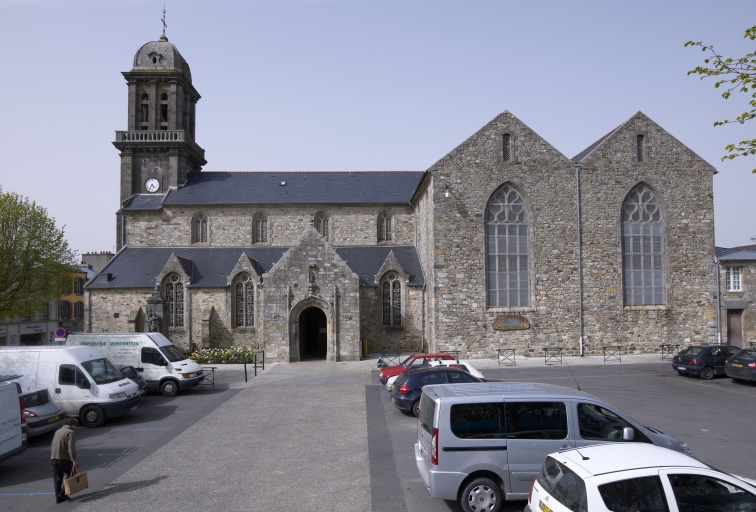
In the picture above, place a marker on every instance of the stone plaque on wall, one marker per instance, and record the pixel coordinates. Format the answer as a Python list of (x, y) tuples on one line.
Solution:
[(510, 323)]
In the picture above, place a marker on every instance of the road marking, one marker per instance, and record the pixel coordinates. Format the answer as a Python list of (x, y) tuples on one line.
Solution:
[(164, 412), (35, 493), (124, 428)]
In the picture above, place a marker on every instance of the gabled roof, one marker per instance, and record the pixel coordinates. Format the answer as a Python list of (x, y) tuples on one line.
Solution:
[(744, 253), (241, 188), (210, 266), (577, 158)]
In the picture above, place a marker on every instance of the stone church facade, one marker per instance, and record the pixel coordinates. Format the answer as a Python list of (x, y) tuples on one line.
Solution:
[(503, 243)]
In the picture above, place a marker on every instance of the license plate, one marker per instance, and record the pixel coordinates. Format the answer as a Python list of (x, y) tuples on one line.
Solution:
[(681, 368), (736, 365), (133, 408), (53, 419), (543, 507)]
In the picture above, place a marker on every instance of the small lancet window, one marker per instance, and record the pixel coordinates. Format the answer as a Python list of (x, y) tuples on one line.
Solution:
[(639, 148), (507, 147), (164, 97), (145, 96), (174, 300), (321, 224), (244, 301), (200, 229), (384, 228), (260, 234), (391, 291)]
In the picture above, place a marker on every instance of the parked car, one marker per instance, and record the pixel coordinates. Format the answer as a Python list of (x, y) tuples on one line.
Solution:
[(413, 361), (471, 437), (622, 477), (405, 394), (741, 366), (13, 436), (705, 361), (133, 375), (459, 364), (41, 414)]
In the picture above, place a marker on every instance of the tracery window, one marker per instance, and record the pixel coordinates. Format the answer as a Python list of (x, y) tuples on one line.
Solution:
[(642, 248), (174, 300), (321, 224), (200, 229), (391, 291), (260, 235), (384, 228), (507, 249), (244, 301)]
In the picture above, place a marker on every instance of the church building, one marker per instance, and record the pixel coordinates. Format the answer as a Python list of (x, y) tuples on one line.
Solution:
[(502, 243)]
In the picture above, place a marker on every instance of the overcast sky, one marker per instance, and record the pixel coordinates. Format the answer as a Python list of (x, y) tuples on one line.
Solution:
[(359, 85)]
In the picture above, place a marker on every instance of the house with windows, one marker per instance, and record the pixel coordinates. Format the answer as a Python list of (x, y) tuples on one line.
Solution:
[(737, 281), (502, 243), (71, 304)]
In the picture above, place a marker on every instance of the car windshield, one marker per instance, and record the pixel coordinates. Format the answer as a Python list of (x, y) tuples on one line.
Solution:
[(746, 354), (406, 362), (37, 398), (102, 371), (564, 485), (172, 353), (691, 351), (128, 372)]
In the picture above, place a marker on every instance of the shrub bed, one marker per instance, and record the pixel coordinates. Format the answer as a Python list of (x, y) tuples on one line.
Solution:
[(230, 355)]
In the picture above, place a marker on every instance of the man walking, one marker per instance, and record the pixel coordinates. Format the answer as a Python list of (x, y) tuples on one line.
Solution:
[(63, 457)]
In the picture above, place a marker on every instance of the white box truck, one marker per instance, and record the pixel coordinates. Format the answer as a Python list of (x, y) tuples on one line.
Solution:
[(82, 381), (12, 436), (162, 365)]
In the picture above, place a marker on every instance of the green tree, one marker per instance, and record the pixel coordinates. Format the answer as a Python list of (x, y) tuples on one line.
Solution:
[(35, 260), (733, 75)]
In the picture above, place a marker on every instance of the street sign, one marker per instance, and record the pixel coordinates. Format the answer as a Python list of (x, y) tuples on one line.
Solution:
[(60, 332)]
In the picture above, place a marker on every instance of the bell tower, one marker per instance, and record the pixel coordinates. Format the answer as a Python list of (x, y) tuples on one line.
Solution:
[(158, 148)]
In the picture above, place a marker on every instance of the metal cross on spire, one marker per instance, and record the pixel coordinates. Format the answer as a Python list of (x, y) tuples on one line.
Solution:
[(163, 20)]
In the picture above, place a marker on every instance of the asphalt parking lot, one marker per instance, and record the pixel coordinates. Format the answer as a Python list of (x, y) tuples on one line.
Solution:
[(714, 417)]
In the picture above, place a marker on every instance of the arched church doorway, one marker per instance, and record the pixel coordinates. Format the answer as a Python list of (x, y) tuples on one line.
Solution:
[(313, 334)]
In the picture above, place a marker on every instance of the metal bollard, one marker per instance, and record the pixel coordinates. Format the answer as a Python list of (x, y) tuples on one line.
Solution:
[(254, 358), (245, 369)]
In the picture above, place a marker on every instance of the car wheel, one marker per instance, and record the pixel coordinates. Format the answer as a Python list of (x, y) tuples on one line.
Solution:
[(169, 388), (92, 416), (707, 373), (416, 408), (481, 494)]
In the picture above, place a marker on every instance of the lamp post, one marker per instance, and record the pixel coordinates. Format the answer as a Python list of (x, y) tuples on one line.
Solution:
[(719, 305)]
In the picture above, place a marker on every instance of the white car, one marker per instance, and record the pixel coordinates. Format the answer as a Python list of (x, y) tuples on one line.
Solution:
[(629, 477), (453, 363)]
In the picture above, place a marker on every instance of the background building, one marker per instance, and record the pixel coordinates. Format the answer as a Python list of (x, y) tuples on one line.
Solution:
[(737, 282)]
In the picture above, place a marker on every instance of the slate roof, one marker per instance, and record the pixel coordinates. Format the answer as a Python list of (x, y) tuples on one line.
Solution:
[(209, 266), (206, 188), (745, 253)]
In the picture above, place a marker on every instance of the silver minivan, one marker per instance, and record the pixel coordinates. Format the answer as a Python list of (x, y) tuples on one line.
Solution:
[(482, 443)]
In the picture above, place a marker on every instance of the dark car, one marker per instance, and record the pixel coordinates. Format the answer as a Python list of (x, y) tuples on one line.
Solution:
[(705, 361), (405, 394), (742, 366), (133, 375)]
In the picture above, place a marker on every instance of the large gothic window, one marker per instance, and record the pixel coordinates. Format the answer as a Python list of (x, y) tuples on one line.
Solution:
[(260, 235), (244, 301), (642, 249), (174, 300), (507, 249), (385, 232), (321, 224), (199, 229), (391, 295)]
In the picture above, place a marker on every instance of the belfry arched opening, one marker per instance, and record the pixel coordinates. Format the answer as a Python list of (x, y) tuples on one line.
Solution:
[(313, 334)]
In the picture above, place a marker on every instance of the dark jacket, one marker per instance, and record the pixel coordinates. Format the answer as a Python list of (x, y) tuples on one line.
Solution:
[(63, 444)]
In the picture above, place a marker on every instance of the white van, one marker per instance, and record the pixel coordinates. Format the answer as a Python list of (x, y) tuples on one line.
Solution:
[(12, 437), (162, 365), (80, 379)]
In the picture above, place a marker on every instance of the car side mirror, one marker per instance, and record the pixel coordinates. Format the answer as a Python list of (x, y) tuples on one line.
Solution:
[(140, 370), (162, 362), (84, 384), (628, 434)]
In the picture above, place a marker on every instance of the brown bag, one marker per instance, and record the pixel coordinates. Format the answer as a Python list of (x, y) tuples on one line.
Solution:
[(76, 482)]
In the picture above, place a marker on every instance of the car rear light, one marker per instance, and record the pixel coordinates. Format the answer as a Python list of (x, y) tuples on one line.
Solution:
[(403, 389), (434, 447), (22, 409), (29, 414), (530, 493), (752, 365), (727, 361), (693, 361), (674, 359)]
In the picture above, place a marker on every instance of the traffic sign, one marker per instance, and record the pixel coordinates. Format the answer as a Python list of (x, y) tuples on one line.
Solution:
[(60, 332)]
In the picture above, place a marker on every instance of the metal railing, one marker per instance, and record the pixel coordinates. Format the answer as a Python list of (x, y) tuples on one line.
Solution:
[(669, 350), (389, 359), (453, 353), (612, 353), (552, 355), (505, 356), (256, 362), (208, 372)]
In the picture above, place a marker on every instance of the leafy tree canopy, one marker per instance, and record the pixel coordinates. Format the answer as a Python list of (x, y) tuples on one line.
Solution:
[(35, 260), (733, 75)]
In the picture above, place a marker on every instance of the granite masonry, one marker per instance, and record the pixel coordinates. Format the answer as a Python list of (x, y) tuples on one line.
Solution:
[(503, 243)]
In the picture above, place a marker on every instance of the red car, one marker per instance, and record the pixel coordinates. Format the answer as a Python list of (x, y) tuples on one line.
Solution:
[(413, 361)]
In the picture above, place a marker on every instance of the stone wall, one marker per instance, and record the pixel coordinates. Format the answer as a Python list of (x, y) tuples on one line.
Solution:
[(232, 226), (425, 248), (406, 338), (110, 309), (745, 300)]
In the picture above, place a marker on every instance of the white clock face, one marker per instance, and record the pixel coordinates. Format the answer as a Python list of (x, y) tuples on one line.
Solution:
[(152, 185)]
